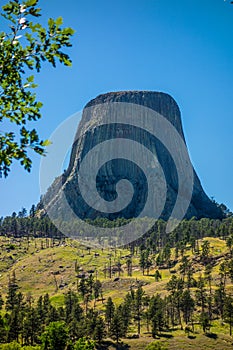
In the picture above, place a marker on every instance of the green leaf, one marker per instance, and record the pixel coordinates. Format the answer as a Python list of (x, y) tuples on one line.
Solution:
[(50, 22), (67, 62), (30, 79), (59, 21), (46, 143), (30, 3), (39, 105), (35, 12), (68, 31)]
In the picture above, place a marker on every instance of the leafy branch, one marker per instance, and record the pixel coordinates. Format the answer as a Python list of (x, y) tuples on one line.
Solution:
[(24, 47)]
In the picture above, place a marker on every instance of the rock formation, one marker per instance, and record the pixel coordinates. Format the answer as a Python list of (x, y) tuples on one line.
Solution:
[(92, 132)]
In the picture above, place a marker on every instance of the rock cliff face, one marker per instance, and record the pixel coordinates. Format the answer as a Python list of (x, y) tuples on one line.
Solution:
[(92, 131)]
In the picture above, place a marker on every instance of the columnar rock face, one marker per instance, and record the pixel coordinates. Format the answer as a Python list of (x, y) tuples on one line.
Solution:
[(92, 132)]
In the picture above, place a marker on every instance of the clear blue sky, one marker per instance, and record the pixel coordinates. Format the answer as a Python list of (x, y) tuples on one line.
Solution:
[(182, 47)]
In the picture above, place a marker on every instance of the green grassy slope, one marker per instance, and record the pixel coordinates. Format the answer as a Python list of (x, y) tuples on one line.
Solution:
[(52, 270)]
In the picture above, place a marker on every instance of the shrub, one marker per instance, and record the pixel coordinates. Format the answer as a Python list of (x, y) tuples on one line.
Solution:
[(11, 346), (156, 346), (84, 344)]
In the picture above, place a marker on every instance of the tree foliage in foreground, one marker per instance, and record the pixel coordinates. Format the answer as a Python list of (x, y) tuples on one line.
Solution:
[(24, 46)]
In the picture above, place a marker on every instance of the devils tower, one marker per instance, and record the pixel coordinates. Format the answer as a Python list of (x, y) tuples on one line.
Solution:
[(92, 131)]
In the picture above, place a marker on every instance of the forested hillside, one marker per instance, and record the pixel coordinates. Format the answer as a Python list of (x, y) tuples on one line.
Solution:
[(174, 289)]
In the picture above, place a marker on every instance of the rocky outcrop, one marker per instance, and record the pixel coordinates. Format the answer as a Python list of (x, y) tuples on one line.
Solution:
[(92, 132)]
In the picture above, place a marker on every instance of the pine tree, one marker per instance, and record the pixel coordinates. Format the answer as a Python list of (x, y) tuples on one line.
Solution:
[(14, 304), (82, 287), (142, 261), (129, 266), (205, 321), (3, 331), (109, 312), (184, 266), (201, 296), (138, 307), (99, 330), (125, 310), (14, 325), (97, 287), (72, 307), (166, 255), (219, 299), (158, 275), (175, 286), (208, 276), (187, 306), (228, 312), (40, 312), (12, 295), (32, 211), (31, 326), (229, 243), (46, 309), (156, 314), (91, 320), (205, 254), (117, 326), (1, 302), (53, 315)]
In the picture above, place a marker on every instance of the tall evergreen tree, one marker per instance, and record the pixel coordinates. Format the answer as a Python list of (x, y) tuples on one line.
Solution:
[(156, 315), (99, 330), (109, 312), (12, 293), (187, 306), (138, 307), (228, 312), (117, 326)]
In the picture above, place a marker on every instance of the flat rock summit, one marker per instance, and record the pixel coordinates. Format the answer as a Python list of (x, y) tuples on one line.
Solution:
[(92, 131)]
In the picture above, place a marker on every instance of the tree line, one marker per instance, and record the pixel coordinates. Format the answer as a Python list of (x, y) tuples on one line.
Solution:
[(32, 224)]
